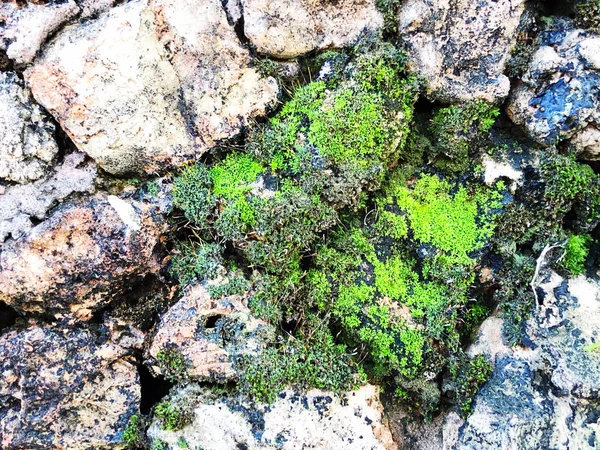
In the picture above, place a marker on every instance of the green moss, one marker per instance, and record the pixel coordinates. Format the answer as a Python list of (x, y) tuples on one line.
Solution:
[(191, 193), (577, 249), (172, 417), (587, 14), (172, 363), (458, 130), (133, 434), (520, 58), (389, 9), (195, 262), (393, 277), (157, 444), (469, 375), (236, 284), (182, 443), (305, 361)]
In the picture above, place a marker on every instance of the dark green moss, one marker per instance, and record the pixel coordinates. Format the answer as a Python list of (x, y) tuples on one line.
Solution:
[(195, 262), (172, 363), (468, 375), (172, 417), (587, 14)]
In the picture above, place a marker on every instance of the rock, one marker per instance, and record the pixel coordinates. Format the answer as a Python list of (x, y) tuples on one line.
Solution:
[(316, 419), (21, 203), (65, 388), (285, 29), (26, 25), (27, 145), (209, 333), (559, 96), (189, 88), (460, 46), (80, 258)]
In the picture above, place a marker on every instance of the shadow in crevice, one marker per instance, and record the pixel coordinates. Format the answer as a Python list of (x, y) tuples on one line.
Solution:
[(8, 317), (153, 389)]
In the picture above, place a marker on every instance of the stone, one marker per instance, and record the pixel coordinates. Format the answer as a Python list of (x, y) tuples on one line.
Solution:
[(80, 259), (20, 204), (26, 25), (210, 334), (559, 97), (290, 28), (316, 419), (191, 85), (27, 145), (460, 46), (65, 388)]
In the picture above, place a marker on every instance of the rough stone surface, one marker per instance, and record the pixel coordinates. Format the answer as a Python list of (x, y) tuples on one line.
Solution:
[(560, 95), (461, 46), (285, 29), (209, 333), (27, 145), (76, 261), (65, 388), (148, 87), (26, 26), (21, 203), (317, 419)]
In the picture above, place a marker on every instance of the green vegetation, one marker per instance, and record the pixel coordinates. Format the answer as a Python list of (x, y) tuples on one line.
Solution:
[(469, 375), (389, 9), (171, 416), (458, 130), (192, 262), (157, 444), (173, 364), (587, 14), (133, 434), (520, 58), (192, 195), (577, 249)]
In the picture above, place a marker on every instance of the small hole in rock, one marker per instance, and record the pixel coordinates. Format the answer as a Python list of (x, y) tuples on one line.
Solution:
[(211, 322)]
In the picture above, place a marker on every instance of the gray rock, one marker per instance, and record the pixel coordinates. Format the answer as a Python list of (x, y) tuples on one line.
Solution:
[(190, 87), (317, 419), (560, 95), (66, 388), (27, 145), (80, 258), (290, 28), (461, 46), (21, 203)]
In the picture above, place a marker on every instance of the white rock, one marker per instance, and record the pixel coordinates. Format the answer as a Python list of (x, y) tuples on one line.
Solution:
[(289, 28)]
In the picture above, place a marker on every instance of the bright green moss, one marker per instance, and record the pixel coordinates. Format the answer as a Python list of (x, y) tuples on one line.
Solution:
[(172, 418), (392, 225), (577, 249), (394, 277), (350, 303)]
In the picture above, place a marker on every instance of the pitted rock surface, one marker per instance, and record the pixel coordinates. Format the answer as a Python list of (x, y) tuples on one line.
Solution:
[(209, 334)]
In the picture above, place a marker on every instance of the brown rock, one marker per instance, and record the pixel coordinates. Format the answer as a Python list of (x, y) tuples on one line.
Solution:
[(79, 259), (208, 333)]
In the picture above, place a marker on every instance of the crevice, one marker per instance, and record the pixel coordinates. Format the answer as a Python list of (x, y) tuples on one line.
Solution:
[(153, 389), (8, 317)]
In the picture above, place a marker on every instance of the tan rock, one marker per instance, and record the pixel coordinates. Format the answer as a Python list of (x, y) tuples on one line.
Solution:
[(78, 260), (289, 28), (64, 389), (208, 333), (461, 46), (146, 87)]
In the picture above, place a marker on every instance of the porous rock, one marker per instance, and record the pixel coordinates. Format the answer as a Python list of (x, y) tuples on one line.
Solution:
[(21, 203), (460, 46), (289, 28), (27, 145), (148, 86), (209, 333), (559, 98), (80, 258), (65, 388), (316, 419)]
